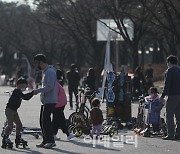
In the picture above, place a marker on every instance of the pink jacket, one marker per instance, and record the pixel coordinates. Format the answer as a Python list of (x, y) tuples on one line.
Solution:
[(62, 100)]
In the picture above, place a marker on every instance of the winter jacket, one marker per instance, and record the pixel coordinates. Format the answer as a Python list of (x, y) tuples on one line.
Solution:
[(96, 116), (49, 86), (154, 108), (172, 82)]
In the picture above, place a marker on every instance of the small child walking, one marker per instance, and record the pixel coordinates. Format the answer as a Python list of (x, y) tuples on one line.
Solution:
[(154, 109), (11, 113), (96, 117)]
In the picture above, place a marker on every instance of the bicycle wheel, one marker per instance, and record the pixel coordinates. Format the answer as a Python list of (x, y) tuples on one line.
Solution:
[(78, 131)]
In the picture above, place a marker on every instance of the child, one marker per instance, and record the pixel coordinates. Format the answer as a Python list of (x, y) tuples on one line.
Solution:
[(11, 110), (58, 114), (96, 117), (154, 108)]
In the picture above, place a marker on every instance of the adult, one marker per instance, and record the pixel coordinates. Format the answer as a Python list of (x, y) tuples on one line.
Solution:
[(138, 81), (90, 80), (73, 78), (48, 99), (60, 74), (172, 90)]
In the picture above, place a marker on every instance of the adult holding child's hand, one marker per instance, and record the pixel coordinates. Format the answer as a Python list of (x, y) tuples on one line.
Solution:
[(48, 99)]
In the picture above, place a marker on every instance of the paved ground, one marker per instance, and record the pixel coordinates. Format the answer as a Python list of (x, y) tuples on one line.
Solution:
[(125, 142)]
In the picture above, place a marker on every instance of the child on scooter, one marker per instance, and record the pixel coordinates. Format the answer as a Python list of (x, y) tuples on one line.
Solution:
[(154, 109)]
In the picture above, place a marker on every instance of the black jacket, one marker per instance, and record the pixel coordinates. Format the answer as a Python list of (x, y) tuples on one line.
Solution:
[(16, 99), (73, 79), (172, 82)]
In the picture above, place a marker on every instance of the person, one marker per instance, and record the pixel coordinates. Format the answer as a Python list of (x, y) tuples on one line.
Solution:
[(48, 99), (154, 109), (60, 75), (73, 79), (172, 90), (11, 112), (90, 80), (58, 119), (96, 117), (149, 72), (138, 81)]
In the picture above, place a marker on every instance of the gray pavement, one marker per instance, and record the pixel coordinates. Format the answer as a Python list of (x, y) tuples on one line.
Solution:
[(125, 142)]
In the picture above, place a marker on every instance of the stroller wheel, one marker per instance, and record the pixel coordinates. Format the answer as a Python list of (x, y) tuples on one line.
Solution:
[(78, 131), (70, 128), (114, 123), (113, 131)]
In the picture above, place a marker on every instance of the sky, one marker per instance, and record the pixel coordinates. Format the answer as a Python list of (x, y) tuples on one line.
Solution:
[(12, 0), (20, 1)]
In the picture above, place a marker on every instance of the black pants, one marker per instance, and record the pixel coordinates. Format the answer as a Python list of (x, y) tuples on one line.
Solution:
[(71, 91), (46, 124), (59, 121), (155, 127), (173, 108)]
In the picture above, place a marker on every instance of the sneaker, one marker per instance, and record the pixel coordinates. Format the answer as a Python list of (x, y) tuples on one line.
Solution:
[(56, 138), (156, 133), (70, 136), (168, 138), (40, 145), (49, 145)]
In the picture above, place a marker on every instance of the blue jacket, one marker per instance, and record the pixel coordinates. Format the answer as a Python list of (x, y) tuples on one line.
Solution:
[(154, 110), (49, 86), (172, 82)]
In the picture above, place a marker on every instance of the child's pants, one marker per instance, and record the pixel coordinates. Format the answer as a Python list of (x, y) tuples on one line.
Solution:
[(96, 129), (12, 116), (59, 120)]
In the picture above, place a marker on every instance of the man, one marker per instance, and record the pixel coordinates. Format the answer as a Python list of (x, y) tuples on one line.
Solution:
[(60, 74), (172, 90), (73, 82), (48, 99)]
